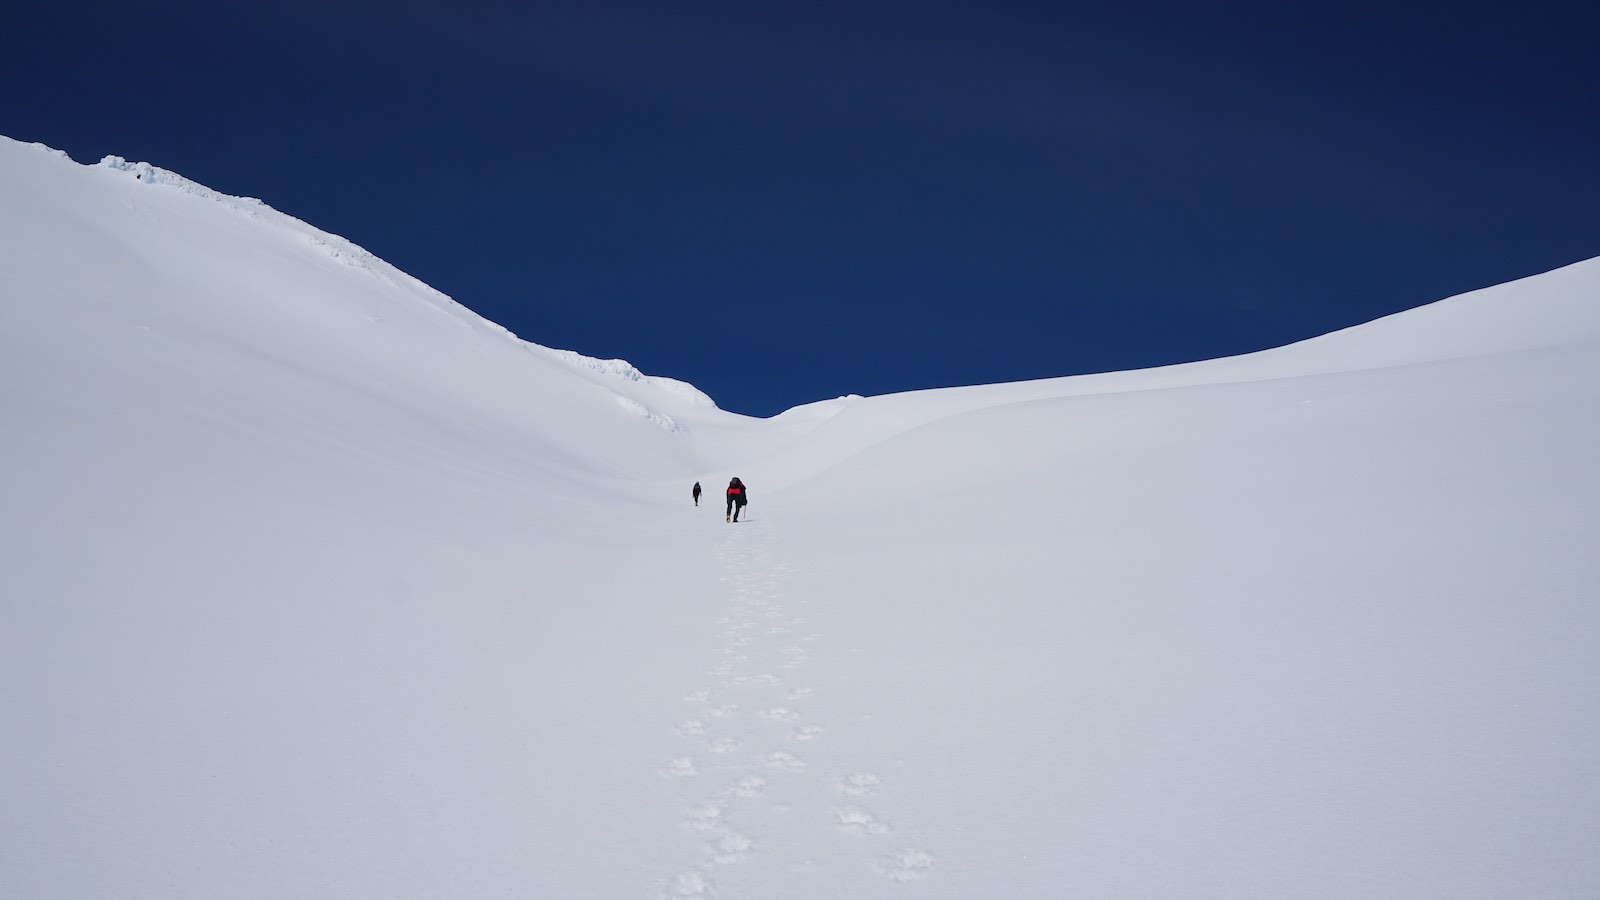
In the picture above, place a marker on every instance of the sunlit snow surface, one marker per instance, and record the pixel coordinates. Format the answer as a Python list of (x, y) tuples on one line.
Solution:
[(318, 585)]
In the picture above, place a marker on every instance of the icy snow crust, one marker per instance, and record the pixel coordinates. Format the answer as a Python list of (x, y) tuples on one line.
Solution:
[(319, 585)]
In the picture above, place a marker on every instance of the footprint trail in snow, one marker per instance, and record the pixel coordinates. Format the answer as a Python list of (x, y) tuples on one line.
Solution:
[(744, 737)]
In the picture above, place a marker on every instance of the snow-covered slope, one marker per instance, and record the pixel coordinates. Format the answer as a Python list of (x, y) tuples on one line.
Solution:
[(319, 585), (1555, 309)]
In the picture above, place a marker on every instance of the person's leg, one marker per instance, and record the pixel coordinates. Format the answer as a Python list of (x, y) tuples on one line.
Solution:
[(729, 513)]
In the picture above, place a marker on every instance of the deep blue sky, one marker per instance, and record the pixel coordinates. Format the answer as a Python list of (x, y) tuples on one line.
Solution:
[(788, 202)]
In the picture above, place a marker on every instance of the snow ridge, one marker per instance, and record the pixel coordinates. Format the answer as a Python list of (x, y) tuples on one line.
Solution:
[(625, 371), (340, 249), (612, 373), (145, 172), (41, 148)]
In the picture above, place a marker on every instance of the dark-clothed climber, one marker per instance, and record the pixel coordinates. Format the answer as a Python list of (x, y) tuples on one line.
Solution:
[(737, 498)]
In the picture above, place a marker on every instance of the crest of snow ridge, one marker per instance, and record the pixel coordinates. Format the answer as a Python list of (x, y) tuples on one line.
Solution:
[(621, 368), (351, 254), (337, 248)]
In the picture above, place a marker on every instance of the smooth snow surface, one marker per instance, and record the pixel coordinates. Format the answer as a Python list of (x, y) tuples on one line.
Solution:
[(319, 585)]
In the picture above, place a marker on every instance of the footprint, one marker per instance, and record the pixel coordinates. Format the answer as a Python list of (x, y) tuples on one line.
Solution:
[(706, 816), (779, 714), (723, 711), (749, 786), (906, 864), (730, 848), (688, 883), (698, 697), (680, 767), (690, 727), (858, 821), (806, 732), (858, 784), (781, 760), (724, 745), (800, 692)]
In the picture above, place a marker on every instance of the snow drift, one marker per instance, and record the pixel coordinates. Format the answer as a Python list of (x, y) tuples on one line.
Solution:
[(318, 584)]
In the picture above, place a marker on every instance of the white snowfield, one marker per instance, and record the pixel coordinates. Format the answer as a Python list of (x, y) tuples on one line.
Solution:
[(317, 585)]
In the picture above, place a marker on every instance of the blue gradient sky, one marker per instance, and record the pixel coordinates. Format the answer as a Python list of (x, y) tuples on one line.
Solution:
[(788, 202)]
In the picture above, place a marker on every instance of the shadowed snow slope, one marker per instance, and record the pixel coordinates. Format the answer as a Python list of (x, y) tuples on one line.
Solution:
[(319, 585)]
